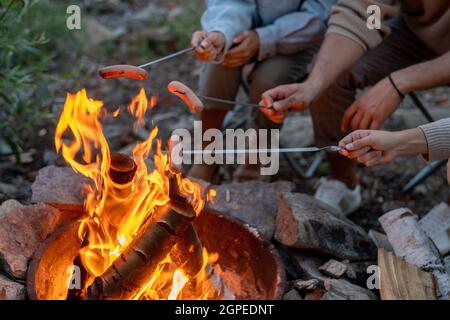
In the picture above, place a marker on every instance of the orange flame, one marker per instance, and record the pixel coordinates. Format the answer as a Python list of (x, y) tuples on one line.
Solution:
[(115, 212)]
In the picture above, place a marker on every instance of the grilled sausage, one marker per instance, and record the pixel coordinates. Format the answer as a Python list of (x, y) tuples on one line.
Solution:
[(187, 95), (123, 71)]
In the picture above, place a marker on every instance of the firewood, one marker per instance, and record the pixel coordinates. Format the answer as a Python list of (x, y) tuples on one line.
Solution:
[(121, 171), (188, 252), (304, 222), (411, 243), (400, 280), (141, 258)]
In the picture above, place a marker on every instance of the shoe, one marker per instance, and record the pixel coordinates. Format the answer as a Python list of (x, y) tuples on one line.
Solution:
[(336, 194)]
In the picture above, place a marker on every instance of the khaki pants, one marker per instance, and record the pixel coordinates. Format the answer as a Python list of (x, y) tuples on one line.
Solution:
[(222, 82), (399, 50)]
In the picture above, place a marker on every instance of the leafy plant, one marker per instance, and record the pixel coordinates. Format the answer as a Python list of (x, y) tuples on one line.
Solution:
[(25, 55)]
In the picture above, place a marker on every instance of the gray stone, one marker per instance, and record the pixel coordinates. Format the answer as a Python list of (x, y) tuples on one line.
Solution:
[(292, 295), (306, 285), (306, 223), (8, 189), (22, 229), (11, 290), (340, 289), (307, 265), (357, 271), (255, 203), (59, 186), (9, 205), (333, 268), (297, 131)]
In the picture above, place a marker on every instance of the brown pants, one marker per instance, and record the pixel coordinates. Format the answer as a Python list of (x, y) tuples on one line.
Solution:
[(399, 50), (222, 82)]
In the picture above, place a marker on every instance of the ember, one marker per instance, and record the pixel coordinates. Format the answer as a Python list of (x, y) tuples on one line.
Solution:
[(132, 212)]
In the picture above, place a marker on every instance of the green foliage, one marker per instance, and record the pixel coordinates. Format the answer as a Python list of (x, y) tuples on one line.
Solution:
[(21, 67), (25, 55)]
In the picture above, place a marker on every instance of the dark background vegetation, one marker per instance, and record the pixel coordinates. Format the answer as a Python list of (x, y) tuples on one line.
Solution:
[(41, 60)]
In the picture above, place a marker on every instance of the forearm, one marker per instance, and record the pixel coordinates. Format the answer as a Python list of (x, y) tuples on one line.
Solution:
[(424, 75), (337, 54), (411, 142)]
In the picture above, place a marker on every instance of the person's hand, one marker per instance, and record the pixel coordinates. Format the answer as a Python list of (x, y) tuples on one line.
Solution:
[(209, 44), (372, 147), (246, 46), (280, 100), (370, 111)]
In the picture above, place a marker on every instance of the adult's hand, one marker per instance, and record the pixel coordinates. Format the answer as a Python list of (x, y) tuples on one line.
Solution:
[(373, 147), (282, 99), (246, 46), (372, 109), (209, 44)]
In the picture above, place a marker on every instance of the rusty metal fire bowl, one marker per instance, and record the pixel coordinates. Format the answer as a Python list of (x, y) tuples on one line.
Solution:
[(250, 267)]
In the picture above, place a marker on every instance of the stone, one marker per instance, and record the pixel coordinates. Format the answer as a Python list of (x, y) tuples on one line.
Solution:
[(22, 229), (340, 289), (333, 268), (11, 290), (315, 294), (306, 285), (380, 240), (306, 223), (59, 186), (358, 271), (97, 32), (9, 205), (292, 295), (255, 203), (307, 265), (8, 189), (297, 131), (292, 271)]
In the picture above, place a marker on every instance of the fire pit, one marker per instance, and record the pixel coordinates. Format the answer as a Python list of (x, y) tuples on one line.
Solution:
[(141, 234), (249, 267)]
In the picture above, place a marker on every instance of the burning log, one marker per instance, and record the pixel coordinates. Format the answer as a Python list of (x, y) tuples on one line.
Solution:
[(142, 257), (169, 231), (121, 171)]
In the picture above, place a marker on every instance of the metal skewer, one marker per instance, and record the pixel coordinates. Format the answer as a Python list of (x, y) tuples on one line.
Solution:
[(245, 104), (170, 56), (271, 150)]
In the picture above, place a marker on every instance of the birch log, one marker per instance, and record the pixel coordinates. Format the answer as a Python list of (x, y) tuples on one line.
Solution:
[(412, 244)]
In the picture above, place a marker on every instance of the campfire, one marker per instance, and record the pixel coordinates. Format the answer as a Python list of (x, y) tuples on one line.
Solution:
[(138, 241)]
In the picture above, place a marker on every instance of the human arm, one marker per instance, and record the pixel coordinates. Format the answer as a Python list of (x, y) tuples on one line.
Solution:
[(225, 17), (296, 30), (379, 102), (373, 147), (347, 39)]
